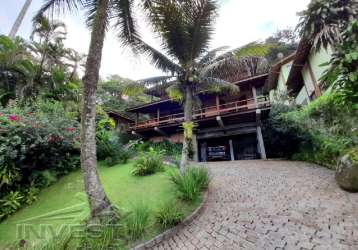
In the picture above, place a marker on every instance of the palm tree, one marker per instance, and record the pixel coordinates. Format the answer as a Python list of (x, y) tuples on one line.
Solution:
[(16, 69), (75, 62), (324, 21), (185, 29), (19, 19), (49, 44), (99, 15)]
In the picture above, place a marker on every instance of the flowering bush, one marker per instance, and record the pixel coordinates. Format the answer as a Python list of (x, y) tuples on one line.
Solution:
[(37, 145)]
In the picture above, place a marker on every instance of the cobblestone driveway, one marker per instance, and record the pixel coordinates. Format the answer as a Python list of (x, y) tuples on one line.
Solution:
[(272, 205)]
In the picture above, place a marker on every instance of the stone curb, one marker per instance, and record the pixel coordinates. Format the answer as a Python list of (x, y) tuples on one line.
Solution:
[(170, 232)]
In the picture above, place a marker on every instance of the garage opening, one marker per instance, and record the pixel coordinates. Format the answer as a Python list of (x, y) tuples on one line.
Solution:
[(239, 147)]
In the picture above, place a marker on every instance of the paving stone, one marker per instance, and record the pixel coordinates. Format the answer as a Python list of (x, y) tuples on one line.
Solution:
[(271, 205)]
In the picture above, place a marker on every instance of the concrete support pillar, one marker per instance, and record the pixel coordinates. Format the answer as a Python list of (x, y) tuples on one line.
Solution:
[(203, 152), (195, 148), (261, 142), (232, 156)]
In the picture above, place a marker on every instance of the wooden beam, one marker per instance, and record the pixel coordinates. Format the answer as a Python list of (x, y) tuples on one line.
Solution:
[(220, 122), (236, 126), (136, 118), (158, 115), (240, 131), (160, 131), (317, 90), (217, 100)]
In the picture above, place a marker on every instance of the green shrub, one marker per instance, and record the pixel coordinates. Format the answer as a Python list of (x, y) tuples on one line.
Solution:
[(38, 144), (169, 215), (191, 182), (170, 149), (98, 237), (110, 149), (149, 163), (320, 132), (137, 221), (10, 203), (200, 175), (44, 178)]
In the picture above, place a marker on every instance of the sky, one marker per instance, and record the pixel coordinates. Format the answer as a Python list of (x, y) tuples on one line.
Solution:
[(239, 22)]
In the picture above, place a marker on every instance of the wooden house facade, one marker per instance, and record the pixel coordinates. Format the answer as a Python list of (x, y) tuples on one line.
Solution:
[(230, 121)]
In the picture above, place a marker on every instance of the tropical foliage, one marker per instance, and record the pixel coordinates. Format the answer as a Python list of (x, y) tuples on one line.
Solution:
[(38, 145), (323, 22), (343, 72), (149, 163), (190, 183), (320, 132)]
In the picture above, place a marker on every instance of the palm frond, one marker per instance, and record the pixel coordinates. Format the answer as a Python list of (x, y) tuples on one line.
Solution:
[(200, 15), (168, 19), (146, 85), (160, 60), (323, 22), (212, 54), (216, 85), (176, 92), (58, 6), (122, 14), (253, 49), (238, 63)]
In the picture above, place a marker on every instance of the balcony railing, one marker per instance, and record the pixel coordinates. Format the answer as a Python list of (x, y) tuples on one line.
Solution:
[(241, 106)]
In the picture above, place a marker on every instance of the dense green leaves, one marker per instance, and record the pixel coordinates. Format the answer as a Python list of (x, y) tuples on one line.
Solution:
[(324, 20), (37, 145), (343, 71), (319, 132)]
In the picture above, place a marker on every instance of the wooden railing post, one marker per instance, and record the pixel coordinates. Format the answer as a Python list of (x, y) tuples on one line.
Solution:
[(217, 103), (254, 95)]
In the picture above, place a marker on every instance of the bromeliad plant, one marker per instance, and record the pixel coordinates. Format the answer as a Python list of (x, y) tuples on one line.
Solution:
[(185, 29)]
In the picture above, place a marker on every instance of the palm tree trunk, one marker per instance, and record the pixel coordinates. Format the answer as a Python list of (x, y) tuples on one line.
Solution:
[(99, 203), (19, 19), (188, 117)]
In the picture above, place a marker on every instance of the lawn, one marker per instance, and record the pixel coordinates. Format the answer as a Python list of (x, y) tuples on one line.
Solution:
[(65, 201)]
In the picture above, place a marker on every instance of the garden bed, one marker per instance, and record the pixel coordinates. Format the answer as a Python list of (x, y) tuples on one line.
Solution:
[(123, 189)]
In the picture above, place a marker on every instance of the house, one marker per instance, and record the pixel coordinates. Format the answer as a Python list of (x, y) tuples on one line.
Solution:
[(228, 121), (234, 122), (298, 75)]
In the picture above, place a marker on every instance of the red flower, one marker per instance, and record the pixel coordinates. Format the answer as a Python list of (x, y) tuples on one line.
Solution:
[(14, 118), (70, 129)]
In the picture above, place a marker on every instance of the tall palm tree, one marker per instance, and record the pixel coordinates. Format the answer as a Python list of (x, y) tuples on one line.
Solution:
[(19, 19), (185, 29), (100, 13)]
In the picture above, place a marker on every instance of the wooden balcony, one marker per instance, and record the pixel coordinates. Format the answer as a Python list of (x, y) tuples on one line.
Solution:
[(208, 112)]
